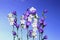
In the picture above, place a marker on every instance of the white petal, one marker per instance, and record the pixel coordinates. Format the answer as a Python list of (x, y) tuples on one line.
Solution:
[(32, 8), (29, 19), (11, 23), (12, 19), (10, 15), (22, 21), (35, 29)]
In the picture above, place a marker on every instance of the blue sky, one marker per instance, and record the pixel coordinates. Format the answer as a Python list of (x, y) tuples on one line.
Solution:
[(53, 16)]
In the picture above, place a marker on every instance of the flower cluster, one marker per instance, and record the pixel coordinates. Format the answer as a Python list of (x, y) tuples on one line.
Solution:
[(29, 19)]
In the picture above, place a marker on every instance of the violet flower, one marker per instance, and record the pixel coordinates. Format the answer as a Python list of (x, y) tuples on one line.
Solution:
[(14, 33), (30, 33), (27, 24), (45, 11), (45, 37), (14, 12)]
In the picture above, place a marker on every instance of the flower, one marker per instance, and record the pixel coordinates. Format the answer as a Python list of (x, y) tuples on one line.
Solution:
[(22, 21), (41, 30), (10, 15), (45, 37), (17, 26), (32, 10), (45, 11), (14, 12), (34, 34), (30, 33), (35, 29), (27, 24), (14, 33), (44, 24), (30, 19), (15, 20), (27, 13)]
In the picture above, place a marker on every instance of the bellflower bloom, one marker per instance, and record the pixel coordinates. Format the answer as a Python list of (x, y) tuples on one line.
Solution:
[(30, 19), (32, 10), (34, 34), (45, 37), (10, 15), (14, 33), (14, 12), (30, 33), (45, 11), (35, 29), (27, 24), (41, 30), (27, 13), (17, 26)]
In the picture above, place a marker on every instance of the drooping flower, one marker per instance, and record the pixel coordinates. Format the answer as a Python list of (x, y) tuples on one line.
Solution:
[(10, 15), (14, 12), (28, 24), (32, 10), (45, 37), (14, 33), (17, 26), (45, 11), (34, 34), (30, 33), (40, 30)]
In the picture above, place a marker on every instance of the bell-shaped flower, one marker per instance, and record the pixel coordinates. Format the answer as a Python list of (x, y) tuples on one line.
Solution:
[(28, 24), (45, 37), (11, 23), (14, 12), (22, 21), (34, 34), (35, 29), (34, 24), (10, 15), (32, 10), (45, 11), (14, 33), (30, 19)]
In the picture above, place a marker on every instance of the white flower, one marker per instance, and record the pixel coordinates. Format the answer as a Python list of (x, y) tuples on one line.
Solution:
[(30, 19), (22, 17), (35, 20), (31, 16), (36, 15), (11, 19), (11, 23), (35, 36), (34, 24), (34, 33), (32, 8), (10, 15), (22, 21), (35, 29)]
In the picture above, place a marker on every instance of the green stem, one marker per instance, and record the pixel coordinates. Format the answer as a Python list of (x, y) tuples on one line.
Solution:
[(13, 36), (27, 34), (21, 33), (17, 34), (33, 37)]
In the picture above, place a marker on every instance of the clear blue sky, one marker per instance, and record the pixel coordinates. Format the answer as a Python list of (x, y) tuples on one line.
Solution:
[(53, 16)]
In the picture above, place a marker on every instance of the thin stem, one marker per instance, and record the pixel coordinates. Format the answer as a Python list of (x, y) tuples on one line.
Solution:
[(13, 36), (21, 33), (27, 34), (33, 37), (39, 35), (17, 34)]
